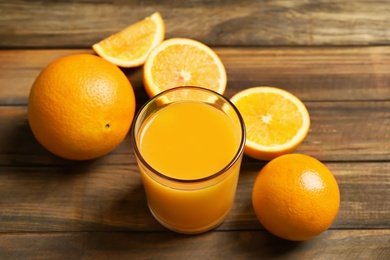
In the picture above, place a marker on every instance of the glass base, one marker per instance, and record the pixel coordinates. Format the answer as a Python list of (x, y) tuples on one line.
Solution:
[(191, 231)]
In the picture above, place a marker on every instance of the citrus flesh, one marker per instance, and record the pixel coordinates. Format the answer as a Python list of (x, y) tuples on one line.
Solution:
[(295, 197), (276, 121), (131, 46), (183, 62), (81, 107)]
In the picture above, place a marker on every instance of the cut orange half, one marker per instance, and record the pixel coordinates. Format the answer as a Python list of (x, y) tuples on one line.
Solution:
[(131, 46), (183, 62), (276, 121)]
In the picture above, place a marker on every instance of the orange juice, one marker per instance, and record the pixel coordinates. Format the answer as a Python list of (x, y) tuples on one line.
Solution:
[(195, 150), (189, 140)]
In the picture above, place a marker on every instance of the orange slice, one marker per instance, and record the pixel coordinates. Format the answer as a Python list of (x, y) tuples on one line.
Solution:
[(276, 121), (183, 62), (131, 46)]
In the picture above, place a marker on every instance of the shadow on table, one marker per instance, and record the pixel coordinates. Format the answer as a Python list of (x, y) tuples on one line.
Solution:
[(21, 148)]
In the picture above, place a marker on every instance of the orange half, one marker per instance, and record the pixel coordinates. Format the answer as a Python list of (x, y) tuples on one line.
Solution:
[(276, 121), (183, 62), (131, 46)]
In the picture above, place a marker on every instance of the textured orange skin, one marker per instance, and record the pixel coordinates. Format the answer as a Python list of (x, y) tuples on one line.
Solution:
[(296, 197), (81, 107)]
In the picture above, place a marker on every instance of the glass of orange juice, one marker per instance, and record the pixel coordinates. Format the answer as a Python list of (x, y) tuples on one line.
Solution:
[(189, 143)]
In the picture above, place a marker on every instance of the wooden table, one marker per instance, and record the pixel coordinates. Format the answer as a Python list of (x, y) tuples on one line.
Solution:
[(334, 55)]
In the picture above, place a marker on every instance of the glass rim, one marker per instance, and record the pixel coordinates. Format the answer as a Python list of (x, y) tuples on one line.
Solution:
[(239, 152)]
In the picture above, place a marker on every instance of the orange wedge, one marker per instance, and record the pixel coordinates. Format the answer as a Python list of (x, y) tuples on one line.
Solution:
[(131, 46), (276, 121), (183, 62)]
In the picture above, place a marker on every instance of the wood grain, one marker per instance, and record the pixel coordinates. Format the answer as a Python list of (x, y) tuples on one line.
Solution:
[(340, 131), (333, 55), (19, 69), (26, 24), (93, 197), (340, 244), (312, 74)]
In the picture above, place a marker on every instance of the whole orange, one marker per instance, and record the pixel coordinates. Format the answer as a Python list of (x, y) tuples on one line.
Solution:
[(295, 197), (81, 107)]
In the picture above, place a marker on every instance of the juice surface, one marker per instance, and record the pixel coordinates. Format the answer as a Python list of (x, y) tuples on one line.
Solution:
[(189, 140)]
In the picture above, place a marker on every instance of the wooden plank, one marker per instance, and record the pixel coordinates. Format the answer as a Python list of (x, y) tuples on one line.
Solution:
[(348, 131), (313, 74), (340, 244), (90, 197), (340, 131), (219, 23), (18, 145), (18, 70)]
